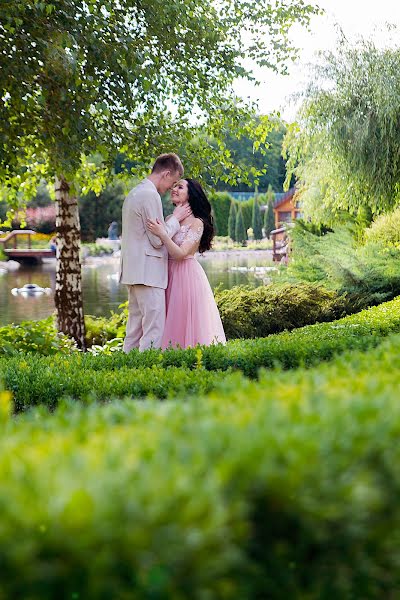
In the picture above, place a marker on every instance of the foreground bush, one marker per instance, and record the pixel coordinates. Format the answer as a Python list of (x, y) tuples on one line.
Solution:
[(37, 379), (284, 488), (257, 312)]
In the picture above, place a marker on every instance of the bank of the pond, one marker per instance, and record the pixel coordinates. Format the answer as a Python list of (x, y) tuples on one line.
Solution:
[(102, 292)]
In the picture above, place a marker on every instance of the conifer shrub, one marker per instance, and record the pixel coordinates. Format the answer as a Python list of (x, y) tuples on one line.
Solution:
[(220, 203)]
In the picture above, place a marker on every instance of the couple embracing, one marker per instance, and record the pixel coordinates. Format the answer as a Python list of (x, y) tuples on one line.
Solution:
[(171, 303)]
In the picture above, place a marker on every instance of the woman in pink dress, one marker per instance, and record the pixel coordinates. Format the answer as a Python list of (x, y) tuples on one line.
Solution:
[(192, 314)]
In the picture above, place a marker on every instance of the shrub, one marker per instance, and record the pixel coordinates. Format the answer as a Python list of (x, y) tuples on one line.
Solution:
[(256, 220), (99, 330), (35, 380), (98, 211), (385, 230), (34, 336), (89, 249), (368, 274), (247, 211), (308, 346), (284, 488), (42, 218), (257, 312), (269, 219)]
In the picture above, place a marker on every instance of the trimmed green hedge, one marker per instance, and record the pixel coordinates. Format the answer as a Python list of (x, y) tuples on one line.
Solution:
[(248, 312), (283, 488), (39, 381), (34, 378)]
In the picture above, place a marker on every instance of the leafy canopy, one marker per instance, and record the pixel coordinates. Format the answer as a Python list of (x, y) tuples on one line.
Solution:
[(97, 77), (345, 147)]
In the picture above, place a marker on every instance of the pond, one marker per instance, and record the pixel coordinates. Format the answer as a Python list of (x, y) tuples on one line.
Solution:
[(102, 292)]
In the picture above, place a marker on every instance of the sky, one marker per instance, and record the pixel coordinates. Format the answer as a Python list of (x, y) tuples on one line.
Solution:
[(356, 17)]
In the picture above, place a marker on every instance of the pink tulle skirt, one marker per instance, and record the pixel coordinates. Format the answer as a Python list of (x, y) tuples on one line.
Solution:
[(192, 314)]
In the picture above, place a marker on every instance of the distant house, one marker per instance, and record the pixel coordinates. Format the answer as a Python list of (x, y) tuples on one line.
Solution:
[(286, 209)]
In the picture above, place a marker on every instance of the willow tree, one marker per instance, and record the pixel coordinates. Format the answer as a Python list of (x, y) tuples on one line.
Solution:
[(344, 148), (97, 77)]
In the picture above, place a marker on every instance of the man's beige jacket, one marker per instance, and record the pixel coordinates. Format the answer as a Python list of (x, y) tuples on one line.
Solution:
[(144, 259)]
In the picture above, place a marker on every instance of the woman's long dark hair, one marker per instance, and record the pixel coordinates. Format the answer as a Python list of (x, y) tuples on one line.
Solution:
[(201, 209)]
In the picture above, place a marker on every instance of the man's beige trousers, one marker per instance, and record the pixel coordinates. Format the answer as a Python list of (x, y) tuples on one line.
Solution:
[(146, 320)]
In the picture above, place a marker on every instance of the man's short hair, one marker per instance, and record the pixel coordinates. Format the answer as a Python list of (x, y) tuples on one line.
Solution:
[(170, 162)]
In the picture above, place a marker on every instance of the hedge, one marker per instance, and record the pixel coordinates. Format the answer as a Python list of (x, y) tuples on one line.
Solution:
[(283, 488), (34, 379), (39, 381), (248, 312)]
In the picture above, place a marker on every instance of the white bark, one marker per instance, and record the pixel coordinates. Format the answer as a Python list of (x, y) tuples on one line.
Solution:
[(68, 294)]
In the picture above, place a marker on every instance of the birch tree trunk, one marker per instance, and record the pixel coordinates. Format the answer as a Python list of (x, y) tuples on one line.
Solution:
[(68, 293)]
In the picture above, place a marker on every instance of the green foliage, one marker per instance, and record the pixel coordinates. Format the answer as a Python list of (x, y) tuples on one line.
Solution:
[(232, 222), (296, 465), (34, 336), (89, 97), (344, 150), (256, 221), (257, 312), (240, 231), (247, 211), (220, 202), (263, 162), (96, 250), (97, 212), (308, 345), (368, 274), (385, 230), (269, 217), (99, 330), (36, 381)]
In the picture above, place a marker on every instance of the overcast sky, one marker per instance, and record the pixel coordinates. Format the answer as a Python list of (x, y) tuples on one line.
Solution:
[(356, 18)]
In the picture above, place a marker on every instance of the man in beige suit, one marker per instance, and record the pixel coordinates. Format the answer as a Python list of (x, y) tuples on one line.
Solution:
[(144, 259)]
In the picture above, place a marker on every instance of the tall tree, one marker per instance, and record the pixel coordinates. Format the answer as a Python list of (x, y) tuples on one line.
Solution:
[(256, 221), (264, 163), (85, 77), (240, 232), (344, 149), (269, 217), (232, 221)]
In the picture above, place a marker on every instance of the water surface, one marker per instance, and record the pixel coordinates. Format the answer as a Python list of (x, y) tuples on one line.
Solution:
[(102, 292)]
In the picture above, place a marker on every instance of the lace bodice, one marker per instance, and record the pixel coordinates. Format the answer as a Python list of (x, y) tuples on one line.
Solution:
[(189, 234)]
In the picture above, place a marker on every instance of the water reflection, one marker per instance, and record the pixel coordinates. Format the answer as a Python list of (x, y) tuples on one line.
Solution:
[(101, 289)]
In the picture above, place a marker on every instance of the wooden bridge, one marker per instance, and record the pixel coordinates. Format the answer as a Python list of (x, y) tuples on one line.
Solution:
[(28, 254)]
